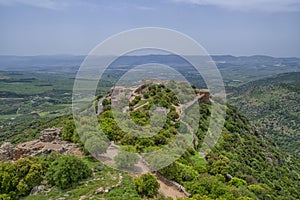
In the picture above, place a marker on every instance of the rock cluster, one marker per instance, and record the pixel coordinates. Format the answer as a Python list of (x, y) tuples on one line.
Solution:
[(6, 151), (37, 189), (101, 190), (50, 134), (48, 142), (206, 94)]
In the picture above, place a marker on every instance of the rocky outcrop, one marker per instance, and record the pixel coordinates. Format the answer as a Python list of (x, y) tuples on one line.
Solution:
[(49, 141), (37, 189), (206, 94), (101, 190), (6, 151), (50, 134)]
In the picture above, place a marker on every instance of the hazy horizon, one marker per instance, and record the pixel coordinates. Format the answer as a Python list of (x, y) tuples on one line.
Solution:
[(81, 55)]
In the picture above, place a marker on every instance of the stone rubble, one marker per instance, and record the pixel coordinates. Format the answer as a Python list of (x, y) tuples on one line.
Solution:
[(101, 190), (37, 189), (49, 141)]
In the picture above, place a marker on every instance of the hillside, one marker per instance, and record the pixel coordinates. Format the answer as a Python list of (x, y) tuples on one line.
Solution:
[(245, 164), (290, 77), (273, 104)]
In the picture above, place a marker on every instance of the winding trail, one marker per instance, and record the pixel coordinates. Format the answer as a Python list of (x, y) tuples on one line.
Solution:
[(169, 190), (140, 106)]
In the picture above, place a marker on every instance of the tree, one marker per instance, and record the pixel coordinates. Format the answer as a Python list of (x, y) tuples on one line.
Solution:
[(146, 185), (173, 115), (66, 171), (237, 182), (217, 164), (68, 130)]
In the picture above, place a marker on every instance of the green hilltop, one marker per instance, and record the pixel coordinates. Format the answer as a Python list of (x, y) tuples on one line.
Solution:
[(245, 163)]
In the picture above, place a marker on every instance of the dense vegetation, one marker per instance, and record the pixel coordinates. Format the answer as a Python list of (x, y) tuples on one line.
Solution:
[(17, 179), (151, 95), (68, 174), (245, 164), (27, 128), (125, 160), (274, 105)]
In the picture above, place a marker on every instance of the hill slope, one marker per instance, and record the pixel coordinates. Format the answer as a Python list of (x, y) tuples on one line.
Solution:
[(274, 105), (245, 163)]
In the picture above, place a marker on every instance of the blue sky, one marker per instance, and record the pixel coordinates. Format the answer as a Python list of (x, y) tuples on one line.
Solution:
[(237, 27)]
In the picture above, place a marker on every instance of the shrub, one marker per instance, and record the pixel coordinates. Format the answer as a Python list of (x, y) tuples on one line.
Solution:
[(69, 132), (17, 179), (146, 185), (237, 182), (66, 171)]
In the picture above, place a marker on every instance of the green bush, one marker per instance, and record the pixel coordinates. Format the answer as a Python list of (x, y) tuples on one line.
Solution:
[(68, 130), (146, 185), (17, 179), (237, 182), (66, 171)]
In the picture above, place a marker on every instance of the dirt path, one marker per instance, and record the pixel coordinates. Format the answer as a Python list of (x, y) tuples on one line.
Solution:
[(169, 191), (136, 108)]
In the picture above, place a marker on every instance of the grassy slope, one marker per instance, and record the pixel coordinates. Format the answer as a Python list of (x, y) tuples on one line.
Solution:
[(107, 177)]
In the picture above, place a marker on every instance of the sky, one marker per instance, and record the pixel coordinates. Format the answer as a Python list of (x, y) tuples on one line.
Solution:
[(235, 27)]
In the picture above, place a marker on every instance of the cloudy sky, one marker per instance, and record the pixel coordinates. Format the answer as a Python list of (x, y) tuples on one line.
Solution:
[(237, 27)]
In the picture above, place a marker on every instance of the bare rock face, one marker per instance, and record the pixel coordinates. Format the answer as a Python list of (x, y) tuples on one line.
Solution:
[(206, 94), (50, 134), (49, 141), (6, 151), (37, 189)]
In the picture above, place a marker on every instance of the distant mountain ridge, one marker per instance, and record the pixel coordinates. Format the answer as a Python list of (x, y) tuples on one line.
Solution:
[(7, 61), (234, 70)]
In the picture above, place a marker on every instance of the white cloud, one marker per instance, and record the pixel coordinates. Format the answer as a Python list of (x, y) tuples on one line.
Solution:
[(62, 4), (49, 4), (241, 5), (250, 5)]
